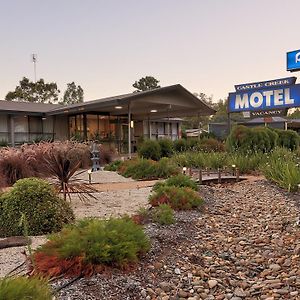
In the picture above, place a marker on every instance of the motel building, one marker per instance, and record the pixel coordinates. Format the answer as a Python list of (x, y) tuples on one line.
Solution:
[(116, 122)]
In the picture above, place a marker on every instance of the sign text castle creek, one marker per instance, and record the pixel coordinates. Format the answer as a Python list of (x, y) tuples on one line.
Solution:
[(267, 95)]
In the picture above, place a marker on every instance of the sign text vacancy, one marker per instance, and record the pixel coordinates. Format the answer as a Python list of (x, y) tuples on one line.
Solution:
[(267, 95)]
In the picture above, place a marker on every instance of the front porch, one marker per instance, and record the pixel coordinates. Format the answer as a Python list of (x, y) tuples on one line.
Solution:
[(112, 131)]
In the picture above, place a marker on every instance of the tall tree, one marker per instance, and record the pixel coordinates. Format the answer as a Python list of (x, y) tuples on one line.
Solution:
[(146, 83), (193, 122), (73, 94), (34, 92), (295, 114)]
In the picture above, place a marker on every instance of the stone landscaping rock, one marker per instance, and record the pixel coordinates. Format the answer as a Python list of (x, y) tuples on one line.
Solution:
[(212, 283), (243, 245)]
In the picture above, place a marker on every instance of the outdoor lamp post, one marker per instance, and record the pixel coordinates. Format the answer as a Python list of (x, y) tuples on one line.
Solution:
[(233, 169)]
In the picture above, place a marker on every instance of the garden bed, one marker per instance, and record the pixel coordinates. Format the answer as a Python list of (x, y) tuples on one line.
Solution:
[(245, 245)]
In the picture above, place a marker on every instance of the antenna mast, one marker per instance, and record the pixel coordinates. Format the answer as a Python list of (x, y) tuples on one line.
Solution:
[(34, 60)]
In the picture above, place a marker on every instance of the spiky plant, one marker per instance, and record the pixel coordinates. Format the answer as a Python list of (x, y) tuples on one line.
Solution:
[(64, 174)]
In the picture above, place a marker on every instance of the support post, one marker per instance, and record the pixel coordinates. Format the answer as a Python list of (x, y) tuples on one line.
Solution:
[(200, 176), (28, 125), (12, 131), (228, 123), (199, 127), (149, 127), (84, 127), (53, 127), (219, 175), (129, 130)]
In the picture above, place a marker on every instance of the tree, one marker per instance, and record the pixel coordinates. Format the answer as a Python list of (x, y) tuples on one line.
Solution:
[(73, 94), (34, 92), (193, 122), (146, 83), (295, 114)]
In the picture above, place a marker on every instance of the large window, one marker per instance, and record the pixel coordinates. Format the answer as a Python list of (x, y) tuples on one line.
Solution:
[(76, 128), (102, 128), (3, 128), (21, 129)]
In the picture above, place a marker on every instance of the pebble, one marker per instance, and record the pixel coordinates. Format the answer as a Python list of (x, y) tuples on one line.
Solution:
[(212, 283), (177, 271)]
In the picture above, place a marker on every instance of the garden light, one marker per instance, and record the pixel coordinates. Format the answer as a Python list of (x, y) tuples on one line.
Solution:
[(233, 169), (90, 176)]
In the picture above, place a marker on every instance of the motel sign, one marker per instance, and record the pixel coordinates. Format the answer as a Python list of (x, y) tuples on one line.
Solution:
[(293, 61), (265, 95)]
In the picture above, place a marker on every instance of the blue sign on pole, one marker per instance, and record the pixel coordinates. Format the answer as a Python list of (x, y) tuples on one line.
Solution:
[(293, 61), (266, 95)]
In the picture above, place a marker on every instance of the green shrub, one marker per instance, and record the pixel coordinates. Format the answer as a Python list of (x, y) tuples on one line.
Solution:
[(113, 166), (22, 288), (150, 149), (180, 145), (273, 137), (166, 147), (248, 140), (262, 139), (111, 242), (164, 215), (288, 139), (147, 169), (165, 168), (179, 198), (215, 160), (179, 180), (138, 168), (192, 144), (247, 163), (283, 168), (210, 145), (239, 139), (44, 210), (189, 159)]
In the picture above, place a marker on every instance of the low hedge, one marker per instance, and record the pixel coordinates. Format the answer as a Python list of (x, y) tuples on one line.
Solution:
[(150, 149), (90, 243), (166, 147), (163, 215), (179, 180), (45, 212), (147, 169), (261, 139), (22, 288), (288, 139), (179, 198)]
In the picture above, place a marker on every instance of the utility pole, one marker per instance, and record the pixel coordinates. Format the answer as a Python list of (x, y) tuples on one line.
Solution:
[(34, 60)]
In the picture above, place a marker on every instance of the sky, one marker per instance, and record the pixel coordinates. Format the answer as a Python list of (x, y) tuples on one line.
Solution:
[(207, 46)]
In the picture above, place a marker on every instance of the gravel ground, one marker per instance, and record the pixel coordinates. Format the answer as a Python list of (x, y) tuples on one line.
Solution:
[(104, 177), (114, 203), (125, 198), (244, 245)]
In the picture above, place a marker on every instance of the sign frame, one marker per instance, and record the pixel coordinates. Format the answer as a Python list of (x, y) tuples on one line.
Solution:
[(290, 65), (269, 95)]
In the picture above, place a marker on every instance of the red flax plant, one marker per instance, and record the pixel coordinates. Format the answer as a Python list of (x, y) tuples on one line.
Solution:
[(64, 174), (14, 166)]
